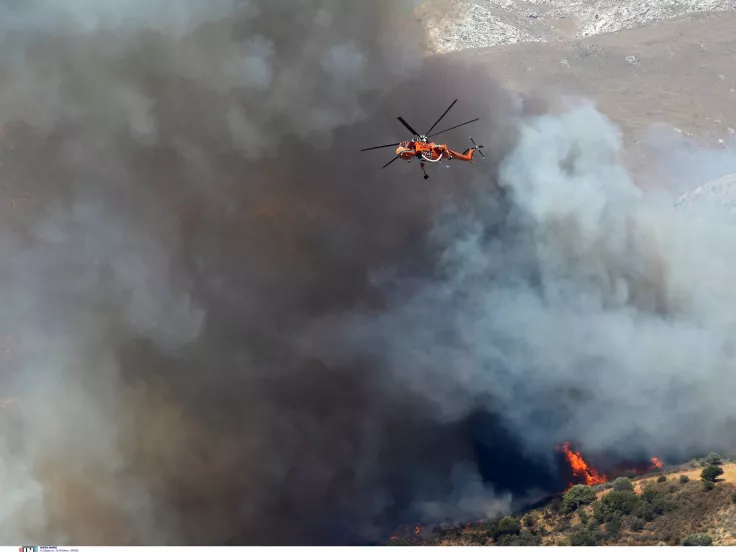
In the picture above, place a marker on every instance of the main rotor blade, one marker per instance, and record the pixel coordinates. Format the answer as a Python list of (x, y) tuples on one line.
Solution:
[(461, 124), (407, 125), (438, 120), (387, 164), (384, 146)]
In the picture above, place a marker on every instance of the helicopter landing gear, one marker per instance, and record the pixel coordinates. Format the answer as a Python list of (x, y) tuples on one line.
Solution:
[(426, 176)]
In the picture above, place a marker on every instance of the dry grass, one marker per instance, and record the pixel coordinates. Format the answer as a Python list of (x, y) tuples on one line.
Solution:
[(729, 476)]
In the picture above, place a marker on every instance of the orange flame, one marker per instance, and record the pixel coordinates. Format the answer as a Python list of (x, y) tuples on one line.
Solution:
[(417, 530), (656, 462), (580, 467)]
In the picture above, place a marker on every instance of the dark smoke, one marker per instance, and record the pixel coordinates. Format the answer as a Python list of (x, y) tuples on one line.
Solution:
[(184, 197)]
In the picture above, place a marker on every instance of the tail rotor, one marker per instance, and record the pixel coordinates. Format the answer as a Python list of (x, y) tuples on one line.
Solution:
[(477, 147)]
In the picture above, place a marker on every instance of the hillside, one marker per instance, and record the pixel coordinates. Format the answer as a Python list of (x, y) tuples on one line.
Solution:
[(661, 508), (486, 23)]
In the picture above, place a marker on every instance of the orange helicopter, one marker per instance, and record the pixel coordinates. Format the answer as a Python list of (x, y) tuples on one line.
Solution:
[(429, 152)]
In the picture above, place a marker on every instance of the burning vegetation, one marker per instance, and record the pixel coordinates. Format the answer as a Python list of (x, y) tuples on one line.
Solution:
[(580, 467), (584, 473)]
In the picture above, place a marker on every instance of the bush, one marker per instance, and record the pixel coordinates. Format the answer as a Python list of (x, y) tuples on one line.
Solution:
[(697, 539), (614, 505), (622, 484), (505, 526), (583, 537), (637, 524), (613, 527), (661, 479), (708, 485), (652, 504), (478, 539), (524, 538), (528, 520), (583, 515), (711, 473), (733, 498), (576, 497), (684, 479)]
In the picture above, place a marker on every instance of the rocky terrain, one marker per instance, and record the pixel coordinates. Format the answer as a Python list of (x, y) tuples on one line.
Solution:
[(484, 23)]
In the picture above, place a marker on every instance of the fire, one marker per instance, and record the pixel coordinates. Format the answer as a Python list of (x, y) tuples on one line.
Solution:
[(417, 530), (581, 468), (656, 462)]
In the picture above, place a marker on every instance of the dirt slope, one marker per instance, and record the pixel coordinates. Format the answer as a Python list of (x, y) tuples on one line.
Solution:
[(678, 73)]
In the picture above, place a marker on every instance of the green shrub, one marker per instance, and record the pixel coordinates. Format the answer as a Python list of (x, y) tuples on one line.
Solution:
[(711, 473), (505, 526), (614, 505), (684, 479), (622, 484), (528, 520), (637, 524), (661, 479), (733, 498), (652, 504), (708, 485), (583, 537), (525, 538), (697, 539), (576, 497), (613, 527)]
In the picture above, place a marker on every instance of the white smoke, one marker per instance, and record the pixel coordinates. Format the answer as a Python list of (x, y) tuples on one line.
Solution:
[(598, 313)]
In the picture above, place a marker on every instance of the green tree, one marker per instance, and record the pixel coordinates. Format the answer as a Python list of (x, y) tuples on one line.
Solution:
[(623, 484), (661, 479), (684, 479), (697, 539), (711, 473), (576, 497)]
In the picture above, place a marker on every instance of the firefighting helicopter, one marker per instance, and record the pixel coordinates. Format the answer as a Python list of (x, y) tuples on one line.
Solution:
[(430, 152)]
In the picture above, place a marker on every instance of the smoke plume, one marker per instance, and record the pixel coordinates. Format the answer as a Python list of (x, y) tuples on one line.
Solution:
[(222, 324)]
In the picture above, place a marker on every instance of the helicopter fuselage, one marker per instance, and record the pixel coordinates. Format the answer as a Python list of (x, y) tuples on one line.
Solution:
[(430, 152)]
